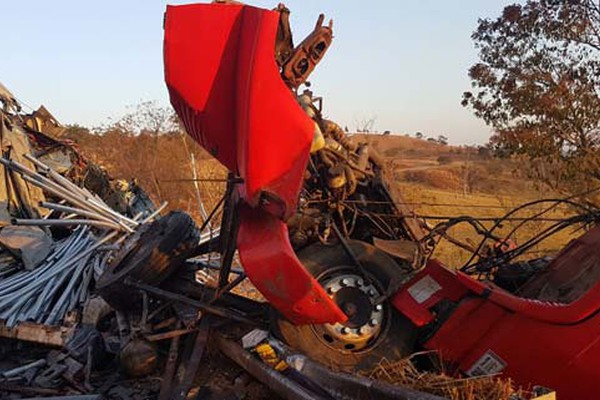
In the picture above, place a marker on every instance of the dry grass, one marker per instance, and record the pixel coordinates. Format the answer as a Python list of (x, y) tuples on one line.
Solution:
[(435, 202), (158, 162), (161, 164), (404, 373)]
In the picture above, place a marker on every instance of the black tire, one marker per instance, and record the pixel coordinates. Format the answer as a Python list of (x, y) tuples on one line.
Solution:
[(155, 252), (395, 341)]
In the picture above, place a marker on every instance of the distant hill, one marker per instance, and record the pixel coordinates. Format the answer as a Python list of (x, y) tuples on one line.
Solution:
[(464, 169)]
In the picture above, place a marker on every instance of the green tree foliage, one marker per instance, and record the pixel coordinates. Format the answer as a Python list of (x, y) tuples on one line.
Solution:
[(538, 85)]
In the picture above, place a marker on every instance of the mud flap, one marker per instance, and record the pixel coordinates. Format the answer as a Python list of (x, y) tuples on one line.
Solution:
[(272, 266)]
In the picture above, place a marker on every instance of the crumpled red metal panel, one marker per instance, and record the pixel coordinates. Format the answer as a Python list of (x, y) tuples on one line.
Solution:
[(278, 274), (225, 85)]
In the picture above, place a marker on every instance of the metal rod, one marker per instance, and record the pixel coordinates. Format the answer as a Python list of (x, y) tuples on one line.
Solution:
[(59, 191), (67, 222), (203, 212), (230, 222), (23, 368), (155, 213), (230, 286), (84, 193), (169, 373), (167, 335), (78, 211), (195, 303), (361, 268), (280, 384), (72, 196), (224, 180), (41, 181)]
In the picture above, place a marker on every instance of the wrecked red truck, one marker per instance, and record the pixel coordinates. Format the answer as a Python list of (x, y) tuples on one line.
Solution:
[(316, 223)]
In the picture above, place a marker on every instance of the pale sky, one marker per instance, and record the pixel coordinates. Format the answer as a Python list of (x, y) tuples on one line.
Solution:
[(403, 62)]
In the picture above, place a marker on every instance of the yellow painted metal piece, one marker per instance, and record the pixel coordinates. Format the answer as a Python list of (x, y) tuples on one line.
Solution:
[(270, 357)]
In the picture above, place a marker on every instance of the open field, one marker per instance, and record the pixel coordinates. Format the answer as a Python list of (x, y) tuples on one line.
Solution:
[(440, 181)]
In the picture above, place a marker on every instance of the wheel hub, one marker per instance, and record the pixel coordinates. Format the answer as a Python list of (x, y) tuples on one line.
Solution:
[(365, 319)]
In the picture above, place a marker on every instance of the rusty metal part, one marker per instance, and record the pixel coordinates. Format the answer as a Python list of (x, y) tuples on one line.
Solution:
[(334, 131), (362, 153), (337, 177), (164, 323), (43, 121), (284, 44), (306, 56), (230, 224), (351, 178), (189, 366), (346, 386), (169, 372), (185, 283), (229, 286), (167, 335), (218, 311), (278, 383), (139, 358), (404, 249)]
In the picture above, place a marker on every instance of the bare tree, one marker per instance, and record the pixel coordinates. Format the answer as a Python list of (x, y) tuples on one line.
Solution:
[(149, 117), (365, 125)]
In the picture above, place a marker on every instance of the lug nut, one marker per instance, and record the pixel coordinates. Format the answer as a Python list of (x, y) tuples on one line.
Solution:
[(345, 282), (373, 322), (360, 282), (345, 330), (372, 293), (330, 290), (378, 307), (360, 331)]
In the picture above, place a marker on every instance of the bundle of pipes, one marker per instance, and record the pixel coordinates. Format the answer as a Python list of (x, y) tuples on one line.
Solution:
[(79, 205), (61, 283), (85, 208)]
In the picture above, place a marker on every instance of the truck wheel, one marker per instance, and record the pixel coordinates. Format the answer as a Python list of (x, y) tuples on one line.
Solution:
[(150, 256), (373, 332)]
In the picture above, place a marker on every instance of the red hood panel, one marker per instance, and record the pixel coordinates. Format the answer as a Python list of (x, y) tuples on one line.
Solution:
[(226, 87)]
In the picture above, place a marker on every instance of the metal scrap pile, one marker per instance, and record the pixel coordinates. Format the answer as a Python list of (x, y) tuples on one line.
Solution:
[(57, 236)]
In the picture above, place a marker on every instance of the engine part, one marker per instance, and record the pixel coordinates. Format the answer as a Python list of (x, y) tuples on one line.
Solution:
[(308, 54)]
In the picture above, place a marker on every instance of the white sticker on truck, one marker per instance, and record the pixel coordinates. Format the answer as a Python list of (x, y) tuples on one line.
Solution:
[(489, 364), (423, 289)]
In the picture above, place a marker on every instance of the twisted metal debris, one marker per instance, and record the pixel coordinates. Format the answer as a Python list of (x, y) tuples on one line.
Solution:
[(62, 282), (59, 285)]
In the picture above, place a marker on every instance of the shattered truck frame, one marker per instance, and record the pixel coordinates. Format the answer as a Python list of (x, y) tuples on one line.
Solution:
[(320, 230)]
